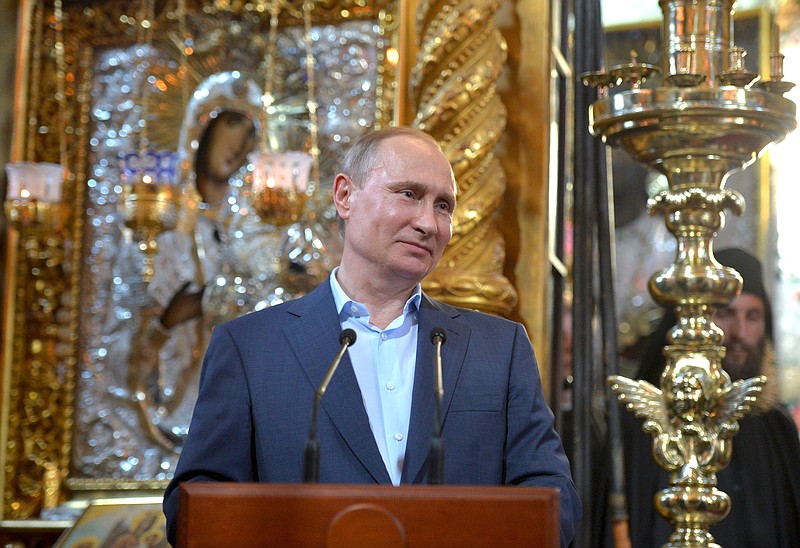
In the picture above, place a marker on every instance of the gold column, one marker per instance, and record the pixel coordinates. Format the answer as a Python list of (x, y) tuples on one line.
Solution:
[(454, 89)]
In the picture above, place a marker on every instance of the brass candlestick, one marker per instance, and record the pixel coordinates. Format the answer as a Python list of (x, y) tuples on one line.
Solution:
[(284, 180), (280, 185), (40, 226), (696, 131), (149, 209), (34, 208)]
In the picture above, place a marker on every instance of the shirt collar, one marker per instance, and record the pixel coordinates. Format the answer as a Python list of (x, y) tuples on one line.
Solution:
[(342, 300)]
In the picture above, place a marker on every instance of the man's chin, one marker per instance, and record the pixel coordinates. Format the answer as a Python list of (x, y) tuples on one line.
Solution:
[(742, 366), (734, 369), (407, 276), (412, 269)]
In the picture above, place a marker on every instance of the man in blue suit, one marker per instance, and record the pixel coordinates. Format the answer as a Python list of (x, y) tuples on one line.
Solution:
[(395, 198)]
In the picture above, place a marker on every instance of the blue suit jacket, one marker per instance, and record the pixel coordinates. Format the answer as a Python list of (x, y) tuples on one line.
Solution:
[(253, 413)]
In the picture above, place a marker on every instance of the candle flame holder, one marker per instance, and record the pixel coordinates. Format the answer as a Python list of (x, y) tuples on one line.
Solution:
[(151, 201), (34, 216), (150, 209), (280, 187), (33, 207), (40, 227)]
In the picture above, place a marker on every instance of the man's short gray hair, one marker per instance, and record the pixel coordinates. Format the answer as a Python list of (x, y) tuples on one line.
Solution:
[(362, 156)]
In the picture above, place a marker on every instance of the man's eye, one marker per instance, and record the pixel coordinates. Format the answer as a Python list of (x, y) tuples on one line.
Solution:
[(407, 194), (723, 314)]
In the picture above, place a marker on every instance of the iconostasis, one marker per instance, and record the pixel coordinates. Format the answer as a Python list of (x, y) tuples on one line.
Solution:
[(169, 170)]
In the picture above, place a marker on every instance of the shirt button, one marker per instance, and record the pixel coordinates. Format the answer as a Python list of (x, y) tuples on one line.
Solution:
[(383, 336), (398, 437), (390, 386), (354, 310)]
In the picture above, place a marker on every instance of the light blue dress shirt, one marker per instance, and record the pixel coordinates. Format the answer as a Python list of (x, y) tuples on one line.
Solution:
[(384, 362)]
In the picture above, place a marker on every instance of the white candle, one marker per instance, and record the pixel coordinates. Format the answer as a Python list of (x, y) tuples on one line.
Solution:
[(282, 170), (35, 181)]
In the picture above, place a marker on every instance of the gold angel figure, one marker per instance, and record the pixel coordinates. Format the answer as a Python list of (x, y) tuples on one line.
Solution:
[(693, 419)]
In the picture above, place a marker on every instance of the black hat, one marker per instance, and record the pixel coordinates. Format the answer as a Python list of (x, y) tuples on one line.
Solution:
[(749, 268)]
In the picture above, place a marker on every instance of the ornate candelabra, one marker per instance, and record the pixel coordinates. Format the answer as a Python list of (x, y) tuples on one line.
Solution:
[(710, 118), (151, 201), (34, 209), (149, 210), (283, 181), (280, 185)]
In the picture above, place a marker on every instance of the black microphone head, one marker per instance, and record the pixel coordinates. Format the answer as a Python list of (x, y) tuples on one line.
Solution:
[(347, 336), (438, 333)]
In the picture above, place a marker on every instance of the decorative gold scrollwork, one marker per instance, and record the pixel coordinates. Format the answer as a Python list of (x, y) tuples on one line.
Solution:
[(455, 90)]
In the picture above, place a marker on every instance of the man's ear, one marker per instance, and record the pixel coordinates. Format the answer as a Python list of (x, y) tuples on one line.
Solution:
[(342, 193)]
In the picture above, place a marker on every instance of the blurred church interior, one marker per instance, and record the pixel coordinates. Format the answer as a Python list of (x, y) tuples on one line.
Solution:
[(118, 94)]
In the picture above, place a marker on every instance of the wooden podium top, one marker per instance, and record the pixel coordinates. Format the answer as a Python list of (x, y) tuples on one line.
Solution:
[(334, 515)]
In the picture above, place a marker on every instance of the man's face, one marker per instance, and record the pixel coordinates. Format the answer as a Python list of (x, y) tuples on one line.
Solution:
[(744, 324), (400, 219)]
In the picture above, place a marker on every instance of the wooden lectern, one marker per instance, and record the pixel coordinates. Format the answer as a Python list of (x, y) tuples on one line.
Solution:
[(335, 515)]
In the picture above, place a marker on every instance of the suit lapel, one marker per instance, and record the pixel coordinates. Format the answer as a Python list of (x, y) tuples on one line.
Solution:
[(423, 407), (314, 336)]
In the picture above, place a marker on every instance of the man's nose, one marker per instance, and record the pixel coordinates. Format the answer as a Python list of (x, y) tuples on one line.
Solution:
[(425, 219), (736, 327)]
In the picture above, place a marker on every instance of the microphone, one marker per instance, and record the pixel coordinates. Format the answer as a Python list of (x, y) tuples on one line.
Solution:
[(436, 456), (311, 460)]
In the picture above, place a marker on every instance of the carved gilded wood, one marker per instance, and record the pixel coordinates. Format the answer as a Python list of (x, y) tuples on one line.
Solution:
[(454, 90)]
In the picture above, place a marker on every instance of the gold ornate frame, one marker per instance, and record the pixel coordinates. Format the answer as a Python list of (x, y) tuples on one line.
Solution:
[(46, 305), (120, 519)]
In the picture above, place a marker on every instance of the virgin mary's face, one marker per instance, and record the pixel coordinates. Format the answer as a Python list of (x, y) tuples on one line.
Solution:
[(223, 150)]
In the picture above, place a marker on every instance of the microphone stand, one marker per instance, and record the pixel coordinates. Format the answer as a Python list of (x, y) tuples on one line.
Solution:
[(311, 456), (436, 456)]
